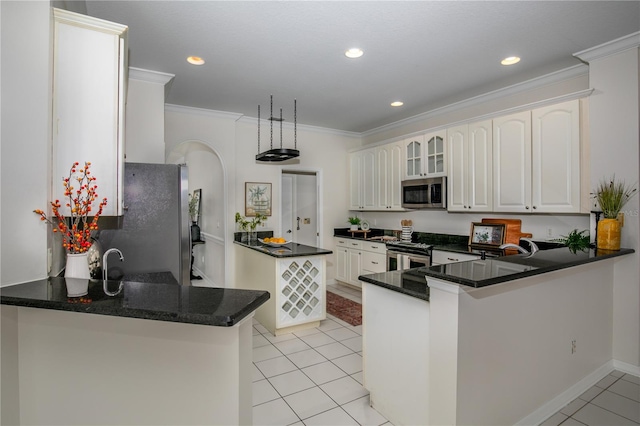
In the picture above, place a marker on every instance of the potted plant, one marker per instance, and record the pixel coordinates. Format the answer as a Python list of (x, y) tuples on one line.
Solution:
[(355, 223), (248, 227), (611, 195), (78, 229), (576, 240)]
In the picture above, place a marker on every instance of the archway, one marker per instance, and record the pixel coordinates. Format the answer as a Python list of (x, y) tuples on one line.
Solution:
[(207, 173)]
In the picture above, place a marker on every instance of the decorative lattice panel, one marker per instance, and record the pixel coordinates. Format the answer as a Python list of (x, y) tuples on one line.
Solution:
[(301, 291)]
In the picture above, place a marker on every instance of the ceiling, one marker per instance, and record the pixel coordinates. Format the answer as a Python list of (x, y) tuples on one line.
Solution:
[(427, 54)]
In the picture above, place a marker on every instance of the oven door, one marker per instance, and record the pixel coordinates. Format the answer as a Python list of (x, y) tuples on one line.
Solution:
[(399, 261)]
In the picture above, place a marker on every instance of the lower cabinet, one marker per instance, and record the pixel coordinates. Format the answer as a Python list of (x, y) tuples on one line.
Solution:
[(439, 257), (358, 257)]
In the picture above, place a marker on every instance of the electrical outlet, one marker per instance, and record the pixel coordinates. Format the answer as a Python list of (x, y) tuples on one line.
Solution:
[(549, 232), (573, 346), (202, 259)]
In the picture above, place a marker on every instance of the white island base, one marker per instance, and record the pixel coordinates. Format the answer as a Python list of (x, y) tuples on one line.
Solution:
[(297, 286), (68, 368), (500, 354)]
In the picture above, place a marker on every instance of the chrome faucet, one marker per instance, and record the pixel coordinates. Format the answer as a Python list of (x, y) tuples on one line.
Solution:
[(104, 261), (515, 246), (534, 247)]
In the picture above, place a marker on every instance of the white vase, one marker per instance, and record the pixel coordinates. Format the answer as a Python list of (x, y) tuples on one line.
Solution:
[(77, 266), (353, 228)]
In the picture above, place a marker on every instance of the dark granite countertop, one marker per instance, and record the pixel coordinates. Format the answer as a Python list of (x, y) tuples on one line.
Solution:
[(160, 302), (287, 250), (481, 273), (412, 282)]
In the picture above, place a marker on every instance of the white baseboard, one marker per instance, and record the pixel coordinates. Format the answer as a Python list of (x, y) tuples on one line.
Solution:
[(626, 368), (556, 404), (204, 282)]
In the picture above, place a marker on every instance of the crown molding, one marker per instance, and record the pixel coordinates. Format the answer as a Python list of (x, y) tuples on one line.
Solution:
[(304, 127), (202, 111), (534, 83), (85, 21), (150, 76), (609, 48)]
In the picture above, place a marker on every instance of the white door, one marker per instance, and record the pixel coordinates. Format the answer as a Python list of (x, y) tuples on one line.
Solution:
[(300, 207)]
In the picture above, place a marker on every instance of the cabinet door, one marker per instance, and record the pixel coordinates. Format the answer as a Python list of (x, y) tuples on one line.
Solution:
[(88, 80), (394, 176), (355, 178), (512, 163), (458, 166), (480, 166), (355, 266), (414, 160), (555, 158), (342, 264), (389, 176), (369, 179), (435, 154), (382, 165)]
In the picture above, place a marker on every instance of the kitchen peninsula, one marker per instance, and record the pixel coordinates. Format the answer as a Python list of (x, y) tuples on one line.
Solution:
[(295, 276), (497, 337), (128, 353)]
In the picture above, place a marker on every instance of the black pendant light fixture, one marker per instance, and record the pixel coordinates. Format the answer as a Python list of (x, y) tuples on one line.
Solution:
[(279, 154)]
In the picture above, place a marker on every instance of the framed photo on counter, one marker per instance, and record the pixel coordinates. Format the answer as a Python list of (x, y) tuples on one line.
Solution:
[(486, 234)]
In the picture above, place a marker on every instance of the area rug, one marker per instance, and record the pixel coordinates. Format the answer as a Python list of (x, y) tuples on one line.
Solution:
[(343, 308)]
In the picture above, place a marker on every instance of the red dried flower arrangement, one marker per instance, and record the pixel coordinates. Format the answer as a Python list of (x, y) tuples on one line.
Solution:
[(77, 232)]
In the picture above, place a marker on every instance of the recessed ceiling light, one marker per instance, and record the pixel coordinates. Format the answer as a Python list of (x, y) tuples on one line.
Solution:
[(195, 60), (510, 60), (397, 103), (354, 53)]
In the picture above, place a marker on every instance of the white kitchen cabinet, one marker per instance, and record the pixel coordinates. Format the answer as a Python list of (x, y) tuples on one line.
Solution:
[(536, 158), (470, 170), (512, 163), (358, 257), (362, 165), (555, 158), (389, 177), (374, 258), (89, 89), (425, 155), (440, 257)]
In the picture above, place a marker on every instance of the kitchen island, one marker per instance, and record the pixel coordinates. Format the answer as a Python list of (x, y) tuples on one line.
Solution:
[(295, 276), (507, 340), (127, 353)]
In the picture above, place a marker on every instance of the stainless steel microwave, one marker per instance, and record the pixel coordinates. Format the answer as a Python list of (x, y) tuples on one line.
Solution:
[(428, 193)]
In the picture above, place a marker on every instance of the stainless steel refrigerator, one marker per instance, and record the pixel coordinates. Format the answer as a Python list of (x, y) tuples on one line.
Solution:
[(154, 232)]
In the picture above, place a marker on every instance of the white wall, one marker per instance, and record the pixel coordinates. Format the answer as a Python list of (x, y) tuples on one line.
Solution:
[(26, 100), (615, 149)]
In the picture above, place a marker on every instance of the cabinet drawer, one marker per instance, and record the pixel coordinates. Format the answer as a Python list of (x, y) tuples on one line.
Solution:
[(443, 257), (342, 242), (374, 262), (377, 247), (354, 244)]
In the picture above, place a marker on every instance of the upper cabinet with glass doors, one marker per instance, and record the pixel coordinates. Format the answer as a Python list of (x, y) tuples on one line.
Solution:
[(425, 155)]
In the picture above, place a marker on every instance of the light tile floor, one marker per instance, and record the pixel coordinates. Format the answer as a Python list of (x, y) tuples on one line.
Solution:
[(314, 377)]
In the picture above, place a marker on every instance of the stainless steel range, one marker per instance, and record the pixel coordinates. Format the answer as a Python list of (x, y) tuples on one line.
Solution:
[(403, 255)]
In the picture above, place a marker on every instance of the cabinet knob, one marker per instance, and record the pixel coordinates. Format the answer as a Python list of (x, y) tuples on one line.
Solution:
[(527, 207), (534, 207), (452, 259), (375, 263)]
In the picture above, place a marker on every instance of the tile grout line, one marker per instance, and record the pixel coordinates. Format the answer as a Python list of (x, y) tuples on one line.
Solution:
[(315, 384)]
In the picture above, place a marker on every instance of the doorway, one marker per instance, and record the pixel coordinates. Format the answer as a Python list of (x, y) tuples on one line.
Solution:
[(300, 207)]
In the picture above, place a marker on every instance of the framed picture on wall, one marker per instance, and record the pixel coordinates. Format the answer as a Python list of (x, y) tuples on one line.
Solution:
[(486, 234), (257, 198)]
